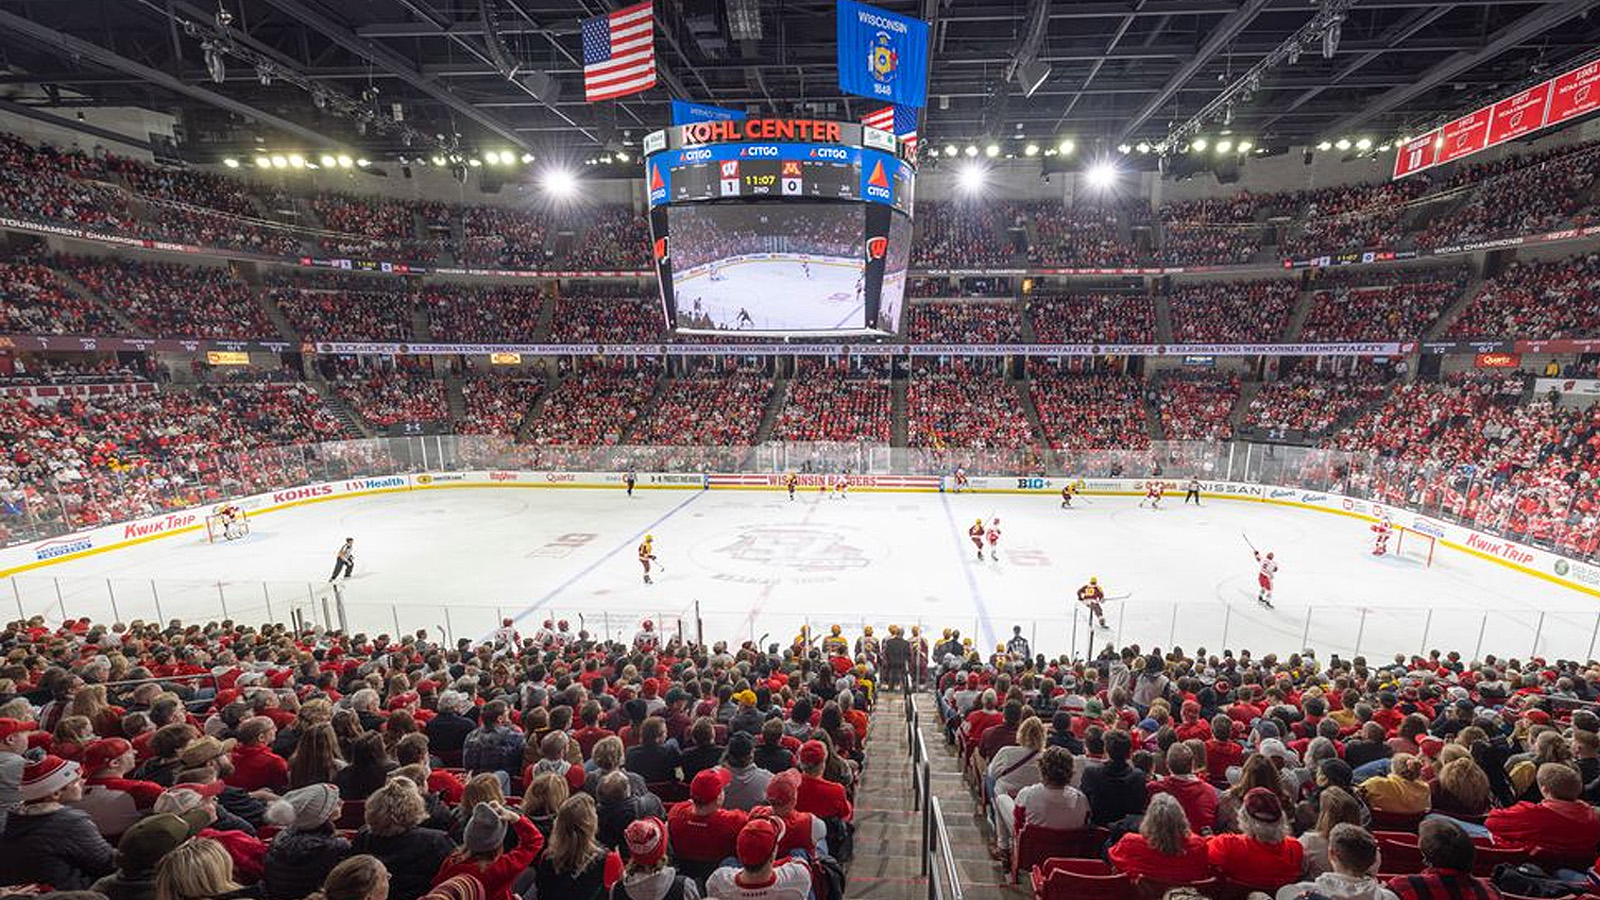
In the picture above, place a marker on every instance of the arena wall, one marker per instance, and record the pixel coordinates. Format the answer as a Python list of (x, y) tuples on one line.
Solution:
[(1531, 561)]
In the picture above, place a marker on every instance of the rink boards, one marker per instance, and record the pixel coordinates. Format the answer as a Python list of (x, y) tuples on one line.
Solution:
[(1532, 561)]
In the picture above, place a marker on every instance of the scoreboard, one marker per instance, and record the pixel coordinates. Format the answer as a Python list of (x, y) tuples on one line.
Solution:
[(815, 171), (780, 226)]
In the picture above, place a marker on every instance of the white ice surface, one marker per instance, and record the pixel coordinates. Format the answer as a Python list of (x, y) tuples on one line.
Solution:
[(778, 295), (760, 564)]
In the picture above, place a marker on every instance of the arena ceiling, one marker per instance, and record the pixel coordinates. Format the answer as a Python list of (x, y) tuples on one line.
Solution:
[(304, 71)]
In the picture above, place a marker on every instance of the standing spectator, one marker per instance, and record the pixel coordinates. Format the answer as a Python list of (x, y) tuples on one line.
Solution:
[(1164, 850), (47, 840)]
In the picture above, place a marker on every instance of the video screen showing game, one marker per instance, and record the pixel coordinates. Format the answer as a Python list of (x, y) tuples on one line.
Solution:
[(891, 297), (766, 268)]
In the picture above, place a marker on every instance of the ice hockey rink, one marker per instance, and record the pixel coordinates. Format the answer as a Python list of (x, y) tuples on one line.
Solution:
[(761, 565), (771, 290)]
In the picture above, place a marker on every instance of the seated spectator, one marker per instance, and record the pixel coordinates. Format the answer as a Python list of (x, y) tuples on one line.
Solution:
[(447, 731), (655, 759), (1336, 806), (1260, 855), (647, 875), (316, 758), (1052, 803), (573, 864), (255, 766), (818, 795), (616, 807), (700, 829), (1461, 789), (1402, 791), (394, 834), (1115, 789), (496, 745), (802, 832), (142, 847), (197, 804), (1197, 796), (702, 752), (308, 847), (362, 877), (1561, 823), (483, 856), (112, 800), (543, 798), (1447, 853), (1163, 850), (1016, 766), (747, 782), (197, 869), (758, 870), (46, 840), (1352, 854)]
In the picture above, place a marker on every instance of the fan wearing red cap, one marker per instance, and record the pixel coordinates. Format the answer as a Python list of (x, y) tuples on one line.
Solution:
[(111, 799), (758, 875), (48, 841), (647, 875), (801, 830), (13, 743), (818, 795), (700, 829)]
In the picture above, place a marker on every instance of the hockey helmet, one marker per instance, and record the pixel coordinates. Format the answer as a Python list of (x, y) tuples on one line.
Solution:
[(1269, 555), (562, 625), (866, 631), (647, 625), (549, 623), (1093, 580), (834, 630), (506, 622), (979, 521)]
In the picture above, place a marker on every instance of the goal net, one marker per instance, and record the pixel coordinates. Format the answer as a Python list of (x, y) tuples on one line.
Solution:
[(1414, 545), (217, 531)]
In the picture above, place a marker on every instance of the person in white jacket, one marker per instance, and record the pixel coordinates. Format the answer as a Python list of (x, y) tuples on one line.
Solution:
[(1351, 850)]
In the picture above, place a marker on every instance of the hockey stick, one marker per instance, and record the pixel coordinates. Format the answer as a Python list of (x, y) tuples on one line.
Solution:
[(1247, 541), (1119, 596), (659, 565)]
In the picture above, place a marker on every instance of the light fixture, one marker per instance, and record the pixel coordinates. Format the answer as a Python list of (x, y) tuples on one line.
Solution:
[(278, 161), (263, 163), (1324, 146), (363, 163), (1224, 145), (438, 160), (296, 161), (1245, 146), (1124, 149), (972, 177), (972, 150), (346, 162), (1342, 144), (560, 182), (950, 150), (1142, 146), (1031, 150), (622, 156), (328, 161), (1067, 146), (1364, 144), (1383, 148), (231, 163), (1102, 175), (474, 162), (992, 151), (527, 158), (1198, 144)]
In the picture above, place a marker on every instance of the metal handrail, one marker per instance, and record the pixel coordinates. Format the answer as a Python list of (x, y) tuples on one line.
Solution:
[(940, 856)]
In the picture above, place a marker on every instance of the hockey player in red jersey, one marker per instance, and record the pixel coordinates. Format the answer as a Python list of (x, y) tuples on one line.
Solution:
[(1265, 576), (1381, 530), (1152, 494), (976, 533), (994, 540)]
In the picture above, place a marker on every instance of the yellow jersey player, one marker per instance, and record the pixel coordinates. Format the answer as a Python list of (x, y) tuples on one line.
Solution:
[(975, 534), (647, 555), (1092, 596), (791, 482)]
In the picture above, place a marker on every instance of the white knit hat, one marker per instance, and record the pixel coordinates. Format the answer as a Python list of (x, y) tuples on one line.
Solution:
[(43, 778)]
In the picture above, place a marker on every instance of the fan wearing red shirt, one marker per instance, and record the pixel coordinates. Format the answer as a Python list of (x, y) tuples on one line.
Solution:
[(1192, 727), (801, 830), (1163, 850), (1261, 856), (1196, 795), (1222, 750), (1562, 823), (818, 795), (255, 766), (699, 829), (114, 802)]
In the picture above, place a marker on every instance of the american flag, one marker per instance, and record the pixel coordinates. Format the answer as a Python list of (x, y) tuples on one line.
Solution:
[(901, 121), (619, 52)]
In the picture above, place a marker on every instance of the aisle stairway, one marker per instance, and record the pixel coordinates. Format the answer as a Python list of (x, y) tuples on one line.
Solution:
[(897, 412), (776, 398), (1030, 412), (82, 290), (1163, 318), (1297, 317)]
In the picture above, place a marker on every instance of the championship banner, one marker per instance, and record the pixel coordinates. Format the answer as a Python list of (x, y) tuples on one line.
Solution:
[(684, 112), (882, 55)]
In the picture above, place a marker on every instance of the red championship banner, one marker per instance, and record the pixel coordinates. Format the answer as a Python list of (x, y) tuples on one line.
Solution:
[(1465, 136), (1575, 93), (1417, 154), (1519, 114)]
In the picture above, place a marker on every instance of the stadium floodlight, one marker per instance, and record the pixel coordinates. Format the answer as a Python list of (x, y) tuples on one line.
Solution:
[(1224, 145), (1142, 146), (950, 150), (296, 161), (992, 151), (1067, 146), (1342, 143), (474, 162), (622, 156), (438, 160), (1198, 144), (1246, 146), (328, 161), (1324, 146), (1102, 175), (363, 163), (972, 177), (972, 150), (560, 182), (231, 163), (263, 162), (1124, 149), (1031, 150), (1383, 148), (527, 158), (279, 162), (346, 162), (1364, 144)]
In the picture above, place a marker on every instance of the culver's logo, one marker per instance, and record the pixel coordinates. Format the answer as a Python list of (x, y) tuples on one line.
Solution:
[(62, 547), (1313, 498), (1281, 493)]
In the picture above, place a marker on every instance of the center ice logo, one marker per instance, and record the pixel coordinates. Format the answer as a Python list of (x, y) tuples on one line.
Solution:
[(772, 553)]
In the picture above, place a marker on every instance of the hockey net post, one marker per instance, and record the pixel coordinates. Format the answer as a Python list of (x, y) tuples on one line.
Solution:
[(216, 530), (1414, 545)]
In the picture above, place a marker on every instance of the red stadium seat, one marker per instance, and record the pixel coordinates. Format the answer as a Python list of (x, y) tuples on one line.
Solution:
[(1035, 843)]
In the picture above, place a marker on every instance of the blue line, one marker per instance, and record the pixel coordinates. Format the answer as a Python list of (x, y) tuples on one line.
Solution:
[(584, 572), (972, 582)]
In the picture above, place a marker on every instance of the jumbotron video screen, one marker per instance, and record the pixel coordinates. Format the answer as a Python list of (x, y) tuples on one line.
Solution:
[(808, 234)]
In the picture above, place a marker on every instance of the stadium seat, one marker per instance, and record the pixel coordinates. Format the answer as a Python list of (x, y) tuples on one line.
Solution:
[(1079, 879), (1035, 843)]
